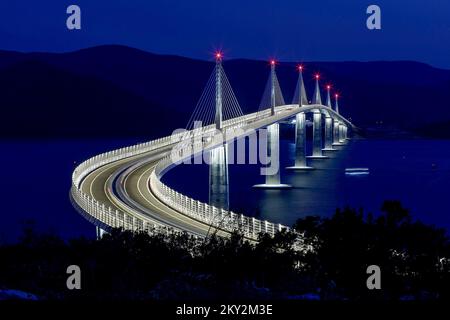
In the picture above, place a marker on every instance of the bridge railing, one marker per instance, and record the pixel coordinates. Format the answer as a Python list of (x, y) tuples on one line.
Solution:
[(214, 216), (106, 216), (217, 218), (109, 217)]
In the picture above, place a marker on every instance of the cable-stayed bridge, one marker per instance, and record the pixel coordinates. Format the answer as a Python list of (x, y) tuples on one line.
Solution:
[(123, 188)]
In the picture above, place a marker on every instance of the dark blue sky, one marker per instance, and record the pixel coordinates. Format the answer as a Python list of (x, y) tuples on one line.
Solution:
[(290, 30)]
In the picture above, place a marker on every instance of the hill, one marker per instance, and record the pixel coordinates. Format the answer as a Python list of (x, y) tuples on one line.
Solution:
[(120, 91)]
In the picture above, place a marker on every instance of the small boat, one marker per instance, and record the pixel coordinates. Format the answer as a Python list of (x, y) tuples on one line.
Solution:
[(356, 171)]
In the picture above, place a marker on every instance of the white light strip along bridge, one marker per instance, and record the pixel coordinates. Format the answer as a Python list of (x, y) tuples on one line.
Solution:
[(123, 188)]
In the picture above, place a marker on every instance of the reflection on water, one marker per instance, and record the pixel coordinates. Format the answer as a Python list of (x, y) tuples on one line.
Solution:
[(416, 172), (36, 178), (36, 181)]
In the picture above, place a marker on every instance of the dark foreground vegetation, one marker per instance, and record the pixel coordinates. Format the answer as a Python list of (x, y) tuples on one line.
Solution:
[(413, 257), (107, 78)]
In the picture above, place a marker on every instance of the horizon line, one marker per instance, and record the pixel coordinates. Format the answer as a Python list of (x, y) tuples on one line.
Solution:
[(212, 58)]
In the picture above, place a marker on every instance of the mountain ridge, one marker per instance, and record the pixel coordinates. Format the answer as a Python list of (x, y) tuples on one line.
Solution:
[(404, 94)]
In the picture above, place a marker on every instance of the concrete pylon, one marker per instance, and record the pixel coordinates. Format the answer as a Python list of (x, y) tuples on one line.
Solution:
[(300, 143), (302, 97), (336, 124), (317, 99), (329, 96), (336, 103), (300, 128), (218, 115), (218, 178), (328, 134), (342, 128), (99, 232), (328, 124), (336, 130), (317, 124), (273, 148), (218, 167), (346, 133), (272, 87), (317, 136), (273, 181)]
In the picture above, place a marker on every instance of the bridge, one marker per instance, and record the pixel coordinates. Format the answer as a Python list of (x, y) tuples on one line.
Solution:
[(123, 188)]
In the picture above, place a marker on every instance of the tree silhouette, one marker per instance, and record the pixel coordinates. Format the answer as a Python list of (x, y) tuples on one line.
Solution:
[(335, 253)]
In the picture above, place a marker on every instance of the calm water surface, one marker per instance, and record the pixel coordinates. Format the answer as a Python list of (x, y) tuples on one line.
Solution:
[(416, 172), (36, 182)]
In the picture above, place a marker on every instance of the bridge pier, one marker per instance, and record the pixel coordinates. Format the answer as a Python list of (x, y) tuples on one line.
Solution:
[(218, 178), (300, 143), (218, 161), (317, 136), (273, 181), (99, 232), (336, 133), (328, 134), (342, 128)]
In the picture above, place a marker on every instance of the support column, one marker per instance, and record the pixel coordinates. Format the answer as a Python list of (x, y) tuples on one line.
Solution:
[(317, 136), (272, 88), (341, 133), (336, 131), (218, 115), (273, 180), (273, 138), (273, 149), (300, 143), (99, 232), (328, 133), (218, 178), (218, 167)]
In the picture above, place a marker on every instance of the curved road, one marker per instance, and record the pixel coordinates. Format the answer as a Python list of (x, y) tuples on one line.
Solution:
[(124, 184)]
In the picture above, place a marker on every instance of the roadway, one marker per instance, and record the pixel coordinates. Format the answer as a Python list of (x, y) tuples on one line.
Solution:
[(124, 184)]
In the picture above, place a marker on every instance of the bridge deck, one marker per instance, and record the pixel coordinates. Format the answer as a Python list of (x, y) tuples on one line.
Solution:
[(129, 191)]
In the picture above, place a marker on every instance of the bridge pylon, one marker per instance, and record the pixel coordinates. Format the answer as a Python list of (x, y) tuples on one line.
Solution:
[(337, 124), (300, 128), (99, 232), (317, 99), (328, 125), (218, 113), (329, 96), (343, 133), (273, 181), (302, 98), (336, 103), (344, 137), (317, 124), (336, 131), (218, 167), (218, 178), (328, 134)]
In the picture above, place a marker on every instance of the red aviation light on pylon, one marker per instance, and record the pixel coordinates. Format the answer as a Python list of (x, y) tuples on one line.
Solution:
[(273, 62), (317, 76), (300, 67), (218, 55), (336, 95)]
